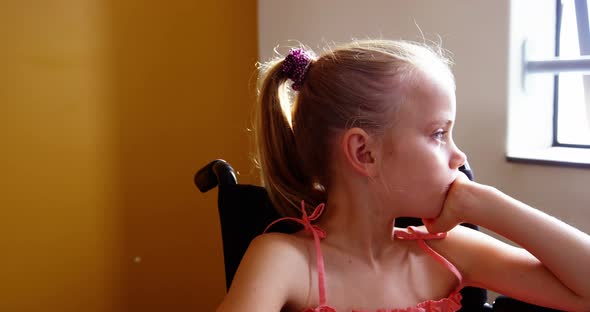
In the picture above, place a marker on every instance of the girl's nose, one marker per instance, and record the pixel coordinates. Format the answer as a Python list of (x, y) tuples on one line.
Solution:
[(458, 158)]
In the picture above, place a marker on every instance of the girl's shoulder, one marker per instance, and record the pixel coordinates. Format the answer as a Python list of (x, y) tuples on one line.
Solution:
[(272, 273), (280, 251), (281, 244), (289, 258), (291, 254)]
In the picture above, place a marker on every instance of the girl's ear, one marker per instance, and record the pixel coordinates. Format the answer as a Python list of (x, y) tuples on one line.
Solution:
[(360, 151)]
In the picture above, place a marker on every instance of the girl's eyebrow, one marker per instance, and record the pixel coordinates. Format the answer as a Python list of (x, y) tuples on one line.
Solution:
[(442, 122)]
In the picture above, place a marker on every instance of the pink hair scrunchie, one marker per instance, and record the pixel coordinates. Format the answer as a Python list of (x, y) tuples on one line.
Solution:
[(295, 66)]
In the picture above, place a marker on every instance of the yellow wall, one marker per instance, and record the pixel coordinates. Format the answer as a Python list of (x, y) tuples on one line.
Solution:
[(107, 108)]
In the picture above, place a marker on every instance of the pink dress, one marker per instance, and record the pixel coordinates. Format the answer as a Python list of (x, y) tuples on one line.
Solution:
[(449, 304)]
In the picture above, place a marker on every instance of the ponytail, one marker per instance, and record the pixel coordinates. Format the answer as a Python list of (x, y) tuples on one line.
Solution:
[(281, 167)]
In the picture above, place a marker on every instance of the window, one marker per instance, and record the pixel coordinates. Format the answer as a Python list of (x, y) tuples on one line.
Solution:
[(549, 87)]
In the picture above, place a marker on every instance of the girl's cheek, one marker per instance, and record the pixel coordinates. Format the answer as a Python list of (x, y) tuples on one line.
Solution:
[(439, 144)]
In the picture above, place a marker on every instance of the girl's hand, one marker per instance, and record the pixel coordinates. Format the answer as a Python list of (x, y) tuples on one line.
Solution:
[(459, 202)]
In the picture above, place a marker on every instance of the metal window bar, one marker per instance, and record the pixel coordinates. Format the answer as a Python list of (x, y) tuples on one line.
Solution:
[(583, 27), (559, 65), (584, 43)]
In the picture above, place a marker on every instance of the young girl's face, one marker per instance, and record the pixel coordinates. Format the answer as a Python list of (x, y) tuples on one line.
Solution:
[(420, 159)]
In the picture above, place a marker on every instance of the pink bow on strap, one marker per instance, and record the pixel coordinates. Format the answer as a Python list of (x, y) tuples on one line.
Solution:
[(305, 220)]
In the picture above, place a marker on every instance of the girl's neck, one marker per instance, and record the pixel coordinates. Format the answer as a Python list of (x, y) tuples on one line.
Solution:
[(357, 224)]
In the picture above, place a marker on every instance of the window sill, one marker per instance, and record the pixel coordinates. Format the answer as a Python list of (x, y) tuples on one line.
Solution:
[(558, 156)]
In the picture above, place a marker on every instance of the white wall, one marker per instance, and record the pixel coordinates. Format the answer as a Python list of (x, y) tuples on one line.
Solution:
[(478, 34)]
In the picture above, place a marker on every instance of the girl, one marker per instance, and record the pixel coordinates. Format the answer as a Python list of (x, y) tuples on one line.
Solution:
[(370, 135)]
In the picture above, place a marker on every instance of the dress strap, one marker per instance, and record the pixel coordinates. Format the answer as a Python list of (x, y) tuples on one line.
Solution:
[(318, 234), (413, 233)]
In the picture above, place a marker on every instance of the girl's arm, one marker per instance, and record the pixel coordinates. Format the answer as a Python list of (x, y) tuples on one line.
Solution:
[(554, 270), (263, 279)]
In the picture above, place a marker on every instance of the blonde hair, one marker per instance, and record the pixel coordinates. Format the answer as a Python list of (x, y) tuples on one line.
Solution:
[(359, 84)]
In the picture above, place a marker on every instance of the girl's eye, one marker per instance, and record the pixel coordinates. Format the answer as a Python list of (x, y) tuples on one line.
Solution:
[(440, 135)]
